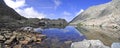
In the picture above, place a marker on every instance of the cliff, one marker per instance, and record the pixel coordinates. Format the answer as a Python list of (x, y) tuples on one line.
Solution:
[(101, 15)]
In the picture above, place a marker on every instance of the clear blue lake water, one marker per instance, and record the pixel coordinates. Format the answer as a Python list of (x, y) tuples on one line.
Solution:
[(69, 33)]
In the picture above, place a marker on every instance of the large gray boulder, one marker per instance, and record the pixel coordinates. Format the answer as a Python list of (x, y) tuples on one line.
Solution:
[(107, 14), (89, 44), (115, 45)]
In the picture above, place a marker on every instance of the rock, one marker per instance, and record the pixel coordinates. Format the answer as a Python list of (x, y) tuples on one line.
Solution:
[(20, 38), (8, 35), (28, 29), (41, 36), (38, 30), (17, 46), (1, 37), (24, 39), (88, 44), (68, 42), (115, 45), (10, 40), (33, 38), (38, 40), (24, 42)]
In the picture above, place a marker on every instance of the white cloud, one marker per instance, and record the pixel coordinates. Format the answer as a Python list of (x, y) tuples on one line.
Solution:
[(57, 3), (28, 12), (15, 4), (79, 12), (66, 13)]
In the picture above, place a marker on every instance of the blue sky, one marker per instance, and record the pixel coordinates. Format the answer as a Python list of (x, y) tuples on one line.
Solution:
[(53, 9)]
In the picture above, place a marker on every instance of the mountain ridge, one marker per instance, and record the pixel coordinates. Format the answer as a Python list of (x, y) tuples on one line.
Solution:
[(100, 15), (7, 11)]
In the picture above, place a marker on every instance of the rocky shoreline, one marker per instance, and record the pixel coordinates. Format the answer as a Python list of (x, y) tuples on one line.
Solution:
[(20, 38)]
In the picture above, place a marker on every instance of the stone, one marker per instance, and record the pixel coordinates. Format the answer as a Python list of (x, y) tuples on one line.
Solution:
[(8, 35), (89, 44), (10, 40), (68, 42), (38, 40), (42, 36), (17, 46), (25, 41), (28, 29), (115, 45), (1, 37), (33, 38)]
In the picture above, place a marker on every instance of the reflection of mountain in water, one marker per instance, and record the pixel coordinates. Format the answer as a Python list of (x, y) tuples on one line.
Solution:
[(106, 35), (61, 37)]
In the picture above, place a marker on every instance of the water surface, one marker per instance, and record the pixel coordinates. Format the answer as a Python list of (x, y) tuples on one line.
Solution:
[(105, 34), (68, 33), (61, 37)]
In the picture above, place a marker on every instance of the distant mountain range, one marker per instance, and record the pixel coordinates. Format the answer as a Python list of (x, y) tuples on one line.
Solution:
[(107, 14)]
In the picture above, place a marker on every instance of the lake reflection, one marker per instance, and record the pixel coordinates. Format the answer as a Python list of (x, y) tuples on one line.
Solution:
[(105, 34), (61, 37), (65, 34)]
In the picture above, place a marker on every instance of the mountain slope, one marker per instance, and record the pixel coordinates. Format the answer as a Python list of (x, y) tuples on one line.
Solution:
[(7, 12), (103, 15), (9, 18)]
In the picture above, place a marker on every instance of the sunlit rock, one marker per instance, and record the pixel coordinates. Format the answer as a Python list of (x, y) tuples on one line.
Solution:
[(115, 45), (89, 44)]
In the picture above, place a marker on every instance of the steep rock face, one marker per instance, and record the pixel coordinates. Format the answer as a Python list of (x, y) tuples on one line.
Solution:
[(7, 12), (104, 15)]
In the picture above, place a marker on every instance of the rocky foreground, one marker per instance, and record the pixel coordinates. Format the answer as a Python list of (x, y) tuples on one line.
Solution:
[(20, 39)]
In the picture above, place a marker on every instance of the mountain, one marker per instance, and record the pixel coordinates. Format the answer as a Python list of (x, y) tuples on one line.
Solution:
[(107, 14), (8, 13), (9, 18)]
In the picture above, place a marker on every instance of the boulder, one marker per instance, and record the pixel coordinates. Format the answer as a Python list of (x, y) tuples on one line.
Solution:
[(89, 44), (115, 45), (1, 37), (28, 29)]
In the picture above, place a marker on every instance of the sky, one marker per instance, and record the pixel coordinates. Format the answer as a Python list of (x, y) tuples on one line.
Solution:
[(53, 9)]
